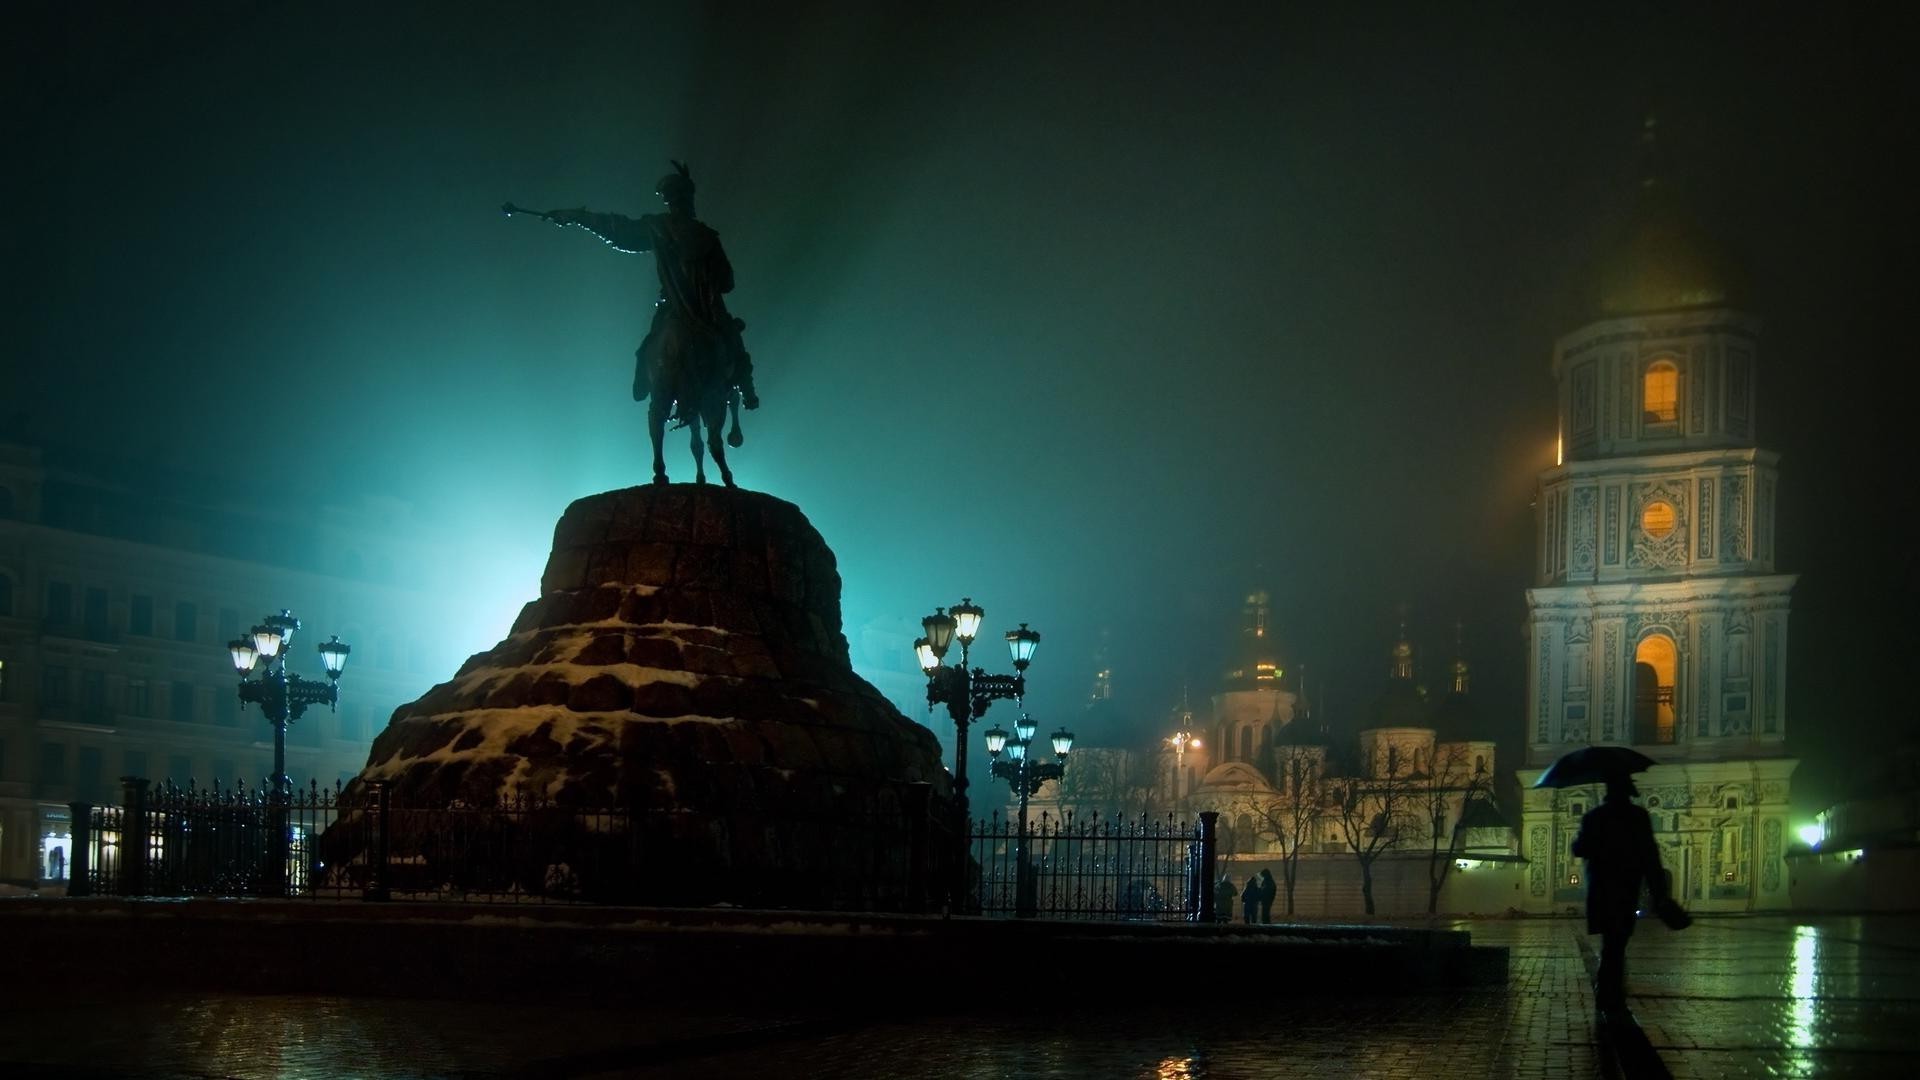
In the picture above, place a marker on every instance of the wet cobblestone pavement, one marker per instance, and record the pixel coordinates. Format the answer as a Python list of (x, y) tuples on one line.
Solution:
[(1736, 997)]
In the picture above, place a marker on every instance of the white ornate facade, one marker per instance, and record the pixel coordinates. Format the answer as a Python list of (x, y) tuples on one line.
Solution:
[(1659, 620)]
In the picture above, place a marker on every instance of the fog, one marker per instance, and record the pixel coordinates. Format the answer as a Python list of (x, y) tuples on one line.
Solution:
[(1102, 317)]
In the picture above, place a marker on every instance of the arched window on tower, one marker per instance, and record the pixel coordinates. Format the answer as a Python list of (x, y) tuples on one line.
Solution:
[(1246, 743), (1660, 393), (1656, 664)]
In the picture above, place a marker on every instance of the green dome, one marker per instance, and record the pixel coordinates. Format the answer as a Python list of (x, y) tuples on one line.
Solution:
[(1664, 261)]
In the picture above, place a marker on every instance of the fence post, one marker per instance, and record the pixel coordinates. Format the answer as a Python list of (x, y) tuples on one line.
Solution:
[(135, 844), (918, 803), (80, 866), (1209, 822), (377, 886)]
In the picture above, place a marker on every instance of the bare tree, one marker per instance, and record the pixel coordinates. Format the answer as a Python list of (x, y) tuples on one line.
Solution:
[(1451, 781), (1109, 781), (1377, 814), (1291, 819)]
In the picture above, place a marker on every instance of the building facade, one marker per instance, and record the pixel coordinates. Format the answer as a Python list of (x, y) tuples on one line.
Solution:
[(1405, 784), (1658, 619), (117, 598)]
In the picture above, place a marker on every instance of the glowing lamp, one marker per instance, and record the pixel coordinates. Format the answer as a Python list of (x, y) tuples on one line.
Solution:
[(1062, 742), (939, 627), (1811, 835), (244, 654), (1024, 727), (968, 615), (923, 650), (333, 653), (286, 624), (1021, 643), (266, 641), (996, 740), (1017, 750)]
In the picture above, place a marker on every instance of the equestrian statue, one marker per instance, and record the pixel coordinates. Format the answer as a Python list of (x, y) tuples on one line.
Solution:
[(693, 365)]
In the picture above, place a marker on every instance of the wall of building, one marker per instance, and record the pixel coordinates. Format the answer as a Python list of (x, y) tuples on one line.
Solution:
[(1722, 828), (113, 659), (1883, 879), (1329, 886)]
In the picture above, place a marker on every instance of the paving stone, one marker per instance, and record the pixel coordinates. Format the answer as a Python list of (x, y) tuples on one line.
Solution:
[(1746, 997)]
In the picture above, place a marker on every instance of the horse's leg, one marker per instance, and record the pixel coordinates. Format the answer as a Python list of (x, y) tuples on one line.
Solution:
[(657, 427), (714, 414), (692, 420)]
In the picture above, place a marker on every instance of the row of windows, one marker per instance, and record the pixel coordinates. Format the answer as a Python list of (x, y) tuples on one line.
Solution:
[(91, 618), (84, 774), (142, 697), (91, 613)]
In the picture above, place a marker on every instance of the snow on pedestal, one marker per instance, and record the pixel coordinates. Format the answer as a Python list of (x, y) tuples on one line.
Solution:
[(684, 660)]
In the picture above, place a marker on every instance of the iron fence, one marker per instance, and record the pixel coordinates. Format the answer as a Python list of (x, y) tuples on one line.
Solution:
[(1092, 867), (872, 854), (888, 852)]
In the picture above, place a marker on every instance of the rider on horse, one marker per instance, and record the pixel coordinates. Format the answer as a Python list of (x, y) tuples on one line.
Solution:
[(693, 333)]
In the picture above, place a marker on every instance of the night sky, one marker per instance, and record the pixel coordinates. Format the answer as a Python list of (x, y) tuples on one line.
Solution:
[(1099, 314)]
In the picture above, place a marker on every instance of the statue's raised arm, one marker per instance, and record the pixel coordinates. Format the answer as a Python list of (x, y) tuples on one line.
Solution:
[(621, 233)]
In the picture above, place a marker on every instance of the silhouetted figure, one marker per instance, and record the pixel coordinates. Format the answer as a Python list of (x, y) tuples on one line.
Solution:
[(1267, 889), (57, 865), (1223, 897), (693, 359), (1616, 840), (1250, 901)]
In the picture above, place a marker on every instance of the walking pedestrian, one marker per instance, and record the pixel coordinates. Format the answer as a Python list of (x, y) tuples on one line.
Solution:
[(1616, 840), (1250, 901), (1267, 888)]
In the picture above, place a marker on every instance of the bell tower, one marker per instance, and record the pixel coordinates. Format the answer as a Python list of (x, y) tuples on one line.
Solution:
[(1658, 619)]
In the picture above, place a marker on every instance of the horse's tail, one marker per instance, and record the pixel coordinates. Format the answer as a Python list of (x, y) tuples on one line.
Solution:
[(734, 438)]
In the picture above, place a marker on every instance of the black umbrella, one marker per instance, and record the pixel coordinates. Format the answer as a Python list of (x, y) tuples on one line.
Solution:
[(1594, 765)]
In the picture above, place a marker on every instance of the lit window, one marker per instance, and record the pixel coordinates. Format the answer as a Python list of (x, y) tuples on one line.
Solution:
[(1657, 519), (1661, 393)]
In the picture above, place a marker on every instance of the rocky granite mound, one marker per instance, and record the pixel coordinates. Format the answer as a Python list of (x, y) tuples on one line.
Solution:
[(684, 663)]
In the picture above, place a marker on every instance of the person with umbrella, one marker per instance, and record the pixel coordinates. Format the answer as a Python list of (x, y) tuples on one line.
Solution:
[(1616, 840)]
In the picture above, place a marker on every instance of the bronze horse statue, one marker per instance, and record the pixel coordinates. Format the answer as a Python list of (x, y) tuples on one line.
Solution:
[(700, 396), (693, 363)]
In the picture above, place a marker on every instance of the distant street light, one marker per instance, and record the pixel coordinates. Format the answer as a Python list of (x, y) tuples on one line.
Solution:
[(1181, 741), (1025, 775), (967, 693), (283, 697)]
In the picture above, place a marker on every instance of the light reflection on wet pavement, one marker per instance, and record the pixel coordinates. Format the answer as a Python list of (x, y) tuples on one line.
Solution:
[(1743, 997)]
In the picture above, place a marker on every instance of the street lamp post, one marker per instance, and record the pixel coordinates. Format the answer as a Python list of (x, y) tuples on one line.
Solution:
[(967, 693), (1025, 775), (283, 697), (1181, 741)]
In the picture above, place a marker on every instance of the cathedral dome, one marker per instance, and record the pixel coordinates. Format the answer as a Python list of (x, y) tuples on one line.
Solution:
[(1256, 661), (1663, 260)]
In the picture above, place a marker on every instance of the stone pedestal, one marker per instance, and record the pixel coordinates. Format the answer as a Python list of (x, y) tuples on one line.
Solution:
[(685, 666)]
